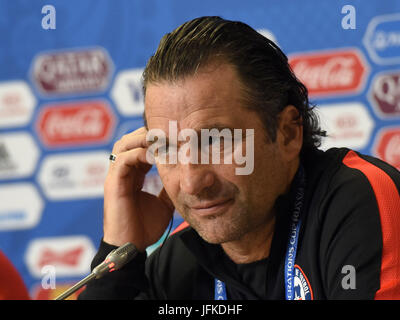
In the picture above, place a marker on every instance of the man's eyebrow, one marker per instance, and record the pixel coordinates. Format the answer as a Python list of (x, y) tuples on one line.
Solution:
[(218, 126)]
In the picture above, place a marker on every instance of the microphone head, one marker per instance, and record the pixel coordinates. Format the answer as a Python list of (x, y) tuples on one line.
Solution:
[(122, 255), (115, 260)]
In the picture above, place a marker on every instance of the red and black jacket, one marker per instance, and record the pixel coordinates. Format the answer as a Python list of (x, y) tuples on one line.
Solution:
[(351, 221)]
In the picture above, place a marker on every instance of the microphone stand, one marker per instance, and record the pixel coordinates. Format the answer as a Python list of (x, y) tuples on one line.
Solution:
[(76, 287)]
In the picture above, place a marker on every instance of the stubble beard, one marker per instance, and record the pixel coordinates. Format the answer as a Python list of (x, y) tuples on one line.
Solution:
[(226, 227)]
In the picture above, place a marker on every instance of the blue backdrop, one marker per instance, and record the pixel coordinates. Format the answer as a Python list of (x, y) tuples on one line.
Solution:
[(67, 94)]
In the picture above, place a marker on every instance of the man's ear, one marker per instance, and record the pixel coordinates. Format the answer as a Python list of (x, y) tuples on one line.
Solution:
[(290, 133)]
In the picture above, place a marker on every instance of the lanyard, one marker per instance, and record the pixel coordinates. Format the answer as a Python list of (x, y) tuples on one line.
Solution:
[(220, 288), (293, 237)]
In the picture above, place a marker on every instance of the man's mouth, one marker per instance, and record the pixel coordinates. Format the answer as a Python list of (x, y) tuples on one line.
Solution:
[(211, 207)]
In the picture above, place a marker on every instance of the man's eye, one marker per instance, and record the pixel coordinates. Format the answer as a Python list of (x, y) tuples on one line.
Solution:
[(224, 146), (211, 141)]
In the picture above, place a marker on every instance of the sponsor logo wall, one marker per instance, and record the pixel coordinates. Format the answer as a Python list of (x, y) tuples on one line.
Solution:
[(66, 95)]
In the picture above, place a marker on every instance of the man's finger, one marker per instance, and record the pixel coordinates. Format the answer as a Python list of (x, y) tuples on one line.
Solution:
[(132, 140)]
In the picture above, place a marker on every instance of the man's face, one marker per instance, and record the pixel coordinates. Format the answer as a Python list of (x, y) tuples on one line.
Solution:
[(219, 204)]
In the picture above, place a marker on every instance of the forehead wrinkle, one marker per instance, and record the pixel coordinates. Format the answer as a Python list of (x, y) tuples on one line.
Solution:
[(193, 123), (196, 98)]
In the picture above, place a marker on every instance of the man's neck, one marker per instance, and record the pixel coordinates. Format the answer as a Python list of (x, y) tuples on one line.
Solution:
[(253, 246), (256, 245)]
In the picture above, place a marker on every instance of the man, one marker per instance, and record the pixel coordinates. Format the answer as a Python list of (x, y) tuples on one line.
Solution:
[(303, 224)]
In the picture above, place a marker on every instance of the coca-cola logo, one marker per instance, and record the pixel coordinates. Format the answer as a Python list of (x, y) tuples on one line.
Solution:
[(330, 73), (385, 94), (71, 72), (84, 122), (387, 146)]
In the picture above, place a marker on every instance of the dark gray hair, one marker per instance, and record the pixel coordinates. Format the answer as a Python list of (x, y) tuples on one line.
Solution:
[(269, 84)]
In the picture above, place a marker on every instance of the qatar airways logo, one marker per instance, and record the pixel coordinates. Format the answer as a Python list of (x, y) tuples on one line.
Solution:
[(226, 145), (68, 72)]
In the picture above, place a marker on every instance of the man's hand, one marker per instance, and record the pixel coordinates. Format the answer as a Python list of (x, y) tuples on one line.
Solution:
[(131, 215)]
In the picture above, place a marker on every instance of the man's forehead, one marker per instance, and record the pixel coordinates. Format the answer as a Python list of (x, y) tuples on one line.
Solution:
[(181, 101), (214, 91), (206, 121)]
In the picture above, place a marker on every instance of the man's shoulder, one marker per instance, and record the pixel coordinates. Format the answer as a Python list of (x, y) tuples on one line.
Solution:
[(342, 166), (341, 180)]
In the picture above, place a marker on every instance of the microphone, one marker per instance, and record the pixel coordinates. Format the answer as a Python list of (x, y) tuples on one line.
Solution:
[(115, 260)]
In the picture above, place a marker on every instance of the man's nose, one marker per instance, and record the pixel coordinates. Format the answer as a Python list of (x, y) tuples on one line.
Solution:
[(194, 178)]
